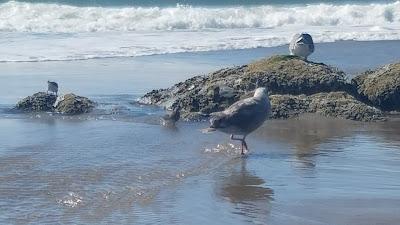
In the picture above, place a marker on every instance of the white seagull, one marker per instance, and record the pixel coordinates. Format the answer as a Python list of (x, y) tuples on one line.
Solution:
[(243, 117), (301, 45)]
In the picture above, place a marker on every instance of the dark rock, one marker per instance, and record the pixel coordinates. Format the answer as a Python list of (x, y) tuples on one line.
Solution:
[(195, 116), (333, 104), (37, 102), (343, 105), (295, 86), (380, 87), (287, 106), (72, 104), (218, 90)]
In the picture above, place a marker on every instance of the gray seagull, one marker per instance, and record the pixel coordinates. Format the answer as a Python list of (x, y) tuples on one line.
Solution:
[(52, 87), (301, 45), (169, 119), (242, 117)]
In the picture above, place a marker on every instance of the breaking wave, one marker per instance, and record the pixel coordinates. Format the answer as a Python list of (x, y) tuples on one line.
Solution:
[(40, 17), (50, 31)]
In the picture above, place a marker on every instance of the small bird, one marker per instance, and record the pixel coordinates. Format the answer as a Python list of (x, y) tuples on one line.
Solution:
[(171, 118), (243, 117), (52, 87), (301, 45)]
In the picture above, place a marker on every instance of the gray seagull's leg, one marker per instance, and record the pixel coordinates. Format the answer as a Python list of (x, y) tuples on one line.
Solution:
[(244, 144)]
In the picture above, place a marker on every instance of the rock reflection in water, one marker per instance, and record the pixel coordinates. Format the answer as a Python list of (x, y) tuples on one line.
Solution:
[(387, 131), (246, 191), (306, 134)]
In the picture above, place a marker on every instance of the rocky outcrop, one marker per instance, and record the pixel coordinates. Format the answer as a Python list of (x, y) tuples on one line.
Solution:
[(37, 102), (343, 105), (280, 74), (380, 87), (295, 86), (332, 104), (72, 104)]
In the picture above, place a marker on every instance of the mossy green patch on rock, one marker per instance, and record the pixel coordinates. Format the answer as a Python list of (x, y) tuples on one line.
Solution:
[(273, 62), (294, 75)]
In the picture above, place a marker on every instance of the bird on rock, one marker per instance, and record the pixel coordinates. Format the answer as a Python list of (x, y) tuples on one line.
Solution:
[(301, 45), (52, 87)]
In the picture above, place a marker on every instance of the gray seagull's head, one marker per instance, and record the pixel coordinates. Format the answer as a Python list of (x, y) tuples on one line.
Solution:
[(261, 92)]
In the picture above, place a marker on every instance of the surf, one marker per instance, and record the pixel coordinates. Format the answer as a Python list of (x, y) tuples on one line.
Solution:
[(59, 32), (57, 18)]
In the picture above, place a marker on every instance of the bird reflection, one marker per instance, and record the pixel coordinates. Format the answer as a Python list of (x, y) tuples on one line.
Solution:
[(247, 192), (387, 131)]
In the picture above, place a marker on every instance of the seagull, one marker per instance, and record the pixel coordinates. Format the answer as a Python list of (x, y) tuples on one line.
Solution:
[(52, 87), (242, 117), (171, 118), (301, 45)]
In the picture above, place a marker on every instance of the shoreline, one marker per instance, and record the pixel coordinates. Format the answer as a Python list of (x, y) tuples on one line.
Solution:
[(379, 47)]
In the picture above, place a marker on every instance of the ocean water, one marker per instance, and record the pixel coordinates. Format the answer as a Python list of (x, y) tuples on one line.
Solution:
[(117, 165), (73, 30), (163, 3)]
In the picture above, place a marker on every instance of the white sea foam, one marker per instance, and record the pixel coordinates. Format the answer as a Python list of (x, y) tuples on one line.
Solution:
[(61, 32), (28, 17)]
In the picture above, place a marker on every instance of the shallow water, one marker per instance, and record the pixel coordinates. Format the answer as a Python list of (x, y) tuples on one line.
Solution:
[(117, 165), (306, 171)]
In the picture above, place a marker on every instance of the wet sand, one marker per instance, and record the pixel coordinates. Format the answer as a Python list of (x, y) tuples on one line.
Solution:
[(118, 166)]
